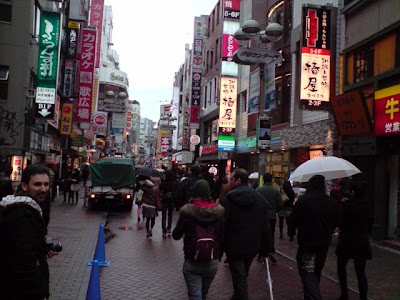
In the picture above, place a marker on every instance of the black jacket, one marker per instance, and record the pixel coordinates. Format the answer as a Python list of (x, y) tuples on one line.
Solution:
[(5, 186), (189, 215), (353, 225), (247, 230), (24, 272), (315, 215)]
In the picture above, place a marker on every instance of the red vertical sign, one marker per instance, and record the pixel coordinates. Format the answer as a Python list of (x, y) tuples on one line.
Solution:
[(84, 103), (96, 20)]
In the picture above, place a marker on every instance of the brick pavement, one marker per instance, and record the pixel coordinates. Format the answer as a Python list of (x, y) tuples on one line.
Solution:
[(76, 229), (144, 268)]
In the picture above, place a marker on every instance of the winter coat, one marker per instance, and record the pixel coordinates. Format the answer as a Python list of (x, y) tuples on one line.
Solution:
[(315, 215), (149, 193), (273, 199), (167, 189), (24, 272), (247, 230), (353, 225), (203, 212)]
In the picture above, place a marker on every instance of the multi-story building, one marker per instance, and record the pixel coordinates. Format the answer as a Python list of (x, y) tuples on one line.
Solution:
[(147, 141), (367, 107)]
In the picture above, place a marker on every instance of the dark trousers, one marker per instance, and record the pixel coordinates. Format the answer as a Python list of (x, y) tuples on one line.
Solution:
[(148, 220), (167, 208), (359, 266), (272, 223), (310, 263), (239, 272)]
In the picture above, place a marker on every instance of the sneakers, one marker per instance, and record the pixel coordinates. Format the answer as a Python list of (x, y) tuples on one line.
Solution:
[(149, 233), (272, 259)]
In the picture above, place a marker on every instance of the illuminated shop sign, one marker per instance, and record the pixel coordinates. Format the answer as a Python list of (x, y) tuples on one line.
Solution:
[(227, 107), (387, 111)]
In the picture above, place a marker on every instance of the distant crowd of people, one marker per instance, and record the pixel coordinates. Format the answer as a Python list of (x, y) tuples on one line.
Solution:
[(230, 217)]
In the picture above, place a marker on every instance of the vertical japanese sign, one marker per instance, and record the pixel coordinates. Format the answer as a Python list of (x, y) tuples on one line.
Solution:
[(264, 132), (49, 43), (72, 38), (84, 103), (315, 83), (229, 46), (199, 33), (252, 103), (227, 107), (232, 9), (66, 118), (387, 111), (164, 141), (186, 129), (69, 78), (96, 20)]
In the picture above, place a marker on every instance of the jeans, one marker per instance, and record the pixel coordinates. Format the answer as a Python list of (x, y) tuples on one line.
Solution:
[(198, 277), (239, 272), (359, 266), (310, 263), (167, 208)]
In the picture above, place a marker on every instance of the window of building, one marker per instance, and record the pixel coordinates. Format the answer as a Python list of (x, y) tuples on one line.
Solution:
[(217, 52), (212, 21), (4, 73), (243, 102), (36, 21), (363, 63), (218, 11), (275, 14), (5, 11)]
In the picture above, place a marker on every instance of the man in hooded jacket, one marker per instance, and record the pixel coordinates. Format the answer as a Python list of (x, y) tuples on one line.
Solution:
[(247, 230), (315, 215), (24, 272)]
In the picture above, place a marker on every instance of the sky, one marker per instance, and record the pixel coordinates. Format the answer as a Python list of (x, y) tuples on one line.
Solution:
[(150, 38)]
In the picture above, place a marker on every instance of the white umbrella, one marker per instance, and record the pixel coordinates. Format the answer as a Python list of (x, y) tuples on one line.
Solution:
[(253, 175), (330, 167)]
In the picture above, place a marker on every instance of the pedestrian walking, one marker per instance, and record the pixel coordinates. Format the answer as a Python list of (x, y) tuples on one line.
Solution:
[(149, 200), (201, 224), (24, 272), (167, 189), (75, 187), (286, 210), (85, 174), (273, 200), (66, 187), (315, 215), (6, 187), (183, 190), (353, 240), (247, 230)]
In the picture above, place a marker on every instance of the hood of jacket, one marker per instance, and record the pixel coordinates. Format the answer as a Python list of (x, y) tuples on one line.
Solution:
[(243, 196), (11, 200), (202, 214)]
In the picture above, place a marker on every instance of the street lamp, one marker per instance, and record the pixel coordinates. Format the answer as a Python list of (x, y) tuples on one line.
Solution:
[(252, 56)]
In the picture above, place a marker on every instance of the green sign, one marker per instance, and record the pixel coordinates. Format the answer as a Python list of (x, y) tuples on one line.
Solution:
[(49, 40)]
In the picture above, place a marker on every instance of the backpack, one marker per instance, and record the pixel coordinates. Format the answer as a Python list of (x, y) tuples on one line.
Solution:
[(183, 193), (203, 245)]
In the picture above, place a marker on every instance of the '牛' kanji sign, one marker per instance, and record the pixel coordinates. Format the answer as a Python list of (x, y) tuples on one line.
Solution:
[(387, 111), (84, 103)]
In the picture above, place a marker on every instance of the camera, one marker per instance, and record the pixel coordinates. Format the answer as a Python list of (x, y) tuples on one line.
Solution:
[(56, 247)]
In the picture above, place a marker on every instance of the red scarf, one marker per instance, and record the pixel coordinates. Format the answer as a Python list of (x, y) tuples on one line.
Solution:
[(204, 204)]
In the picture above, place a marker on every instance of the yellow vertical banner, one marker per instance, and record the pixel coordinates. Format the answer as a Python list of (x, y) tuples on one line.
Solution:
[(66, 119)]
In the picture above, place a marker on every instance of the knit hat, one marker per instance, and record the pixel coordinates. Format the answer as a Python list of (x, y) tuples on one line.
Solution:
[(201, 190)]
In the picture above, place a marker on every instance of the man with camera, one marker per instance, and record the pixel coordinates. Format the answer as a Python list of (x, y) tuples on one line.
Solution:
[(24, 272)]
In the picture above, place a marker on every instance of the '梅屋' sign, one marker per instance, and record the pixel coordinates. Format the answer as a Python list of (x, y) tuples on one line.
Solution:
[(227, 106), (387, 111), (315, 58)]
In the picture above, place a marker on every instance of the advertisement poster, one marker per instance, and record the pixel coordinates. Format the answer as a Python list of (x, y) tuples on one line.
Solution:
[(269, 84), (227, 107), (264, 132), (99, 125), (252, 104)]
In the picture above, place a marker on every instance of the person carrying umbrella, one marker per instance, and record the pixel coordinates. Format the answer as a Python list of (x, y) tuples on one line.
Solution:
[(315, 214)]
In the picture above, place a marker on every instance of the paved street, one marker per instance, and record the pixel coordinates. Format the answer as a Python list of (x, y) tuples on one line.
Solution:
[(144, 268)]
